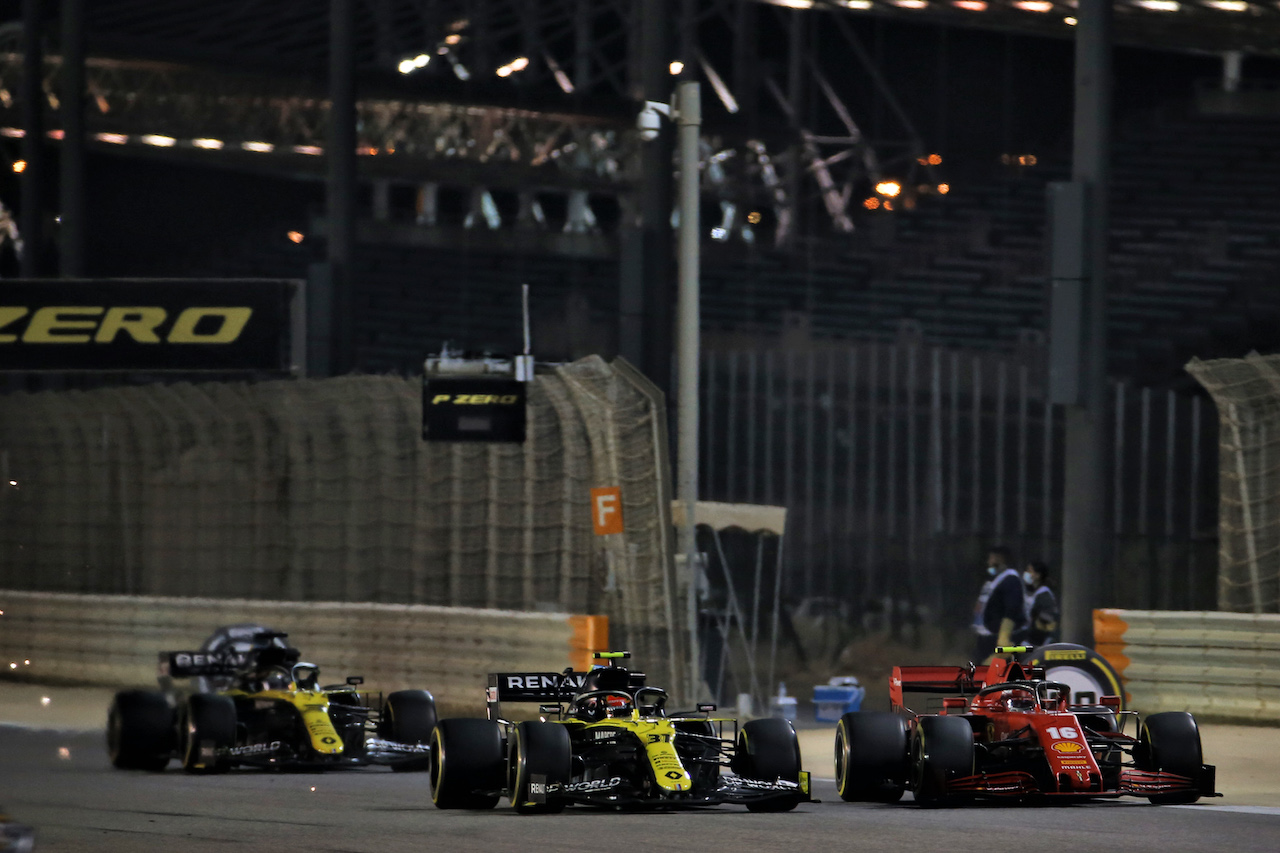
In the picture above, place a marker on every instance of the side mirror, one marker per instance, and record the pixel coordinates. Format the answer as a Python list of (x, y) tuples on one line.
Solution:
[(705, 707), (355, 680)]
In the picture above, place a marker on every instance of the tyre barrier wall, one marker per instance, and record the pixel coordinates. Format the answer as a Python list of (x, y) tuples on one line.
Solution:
[(1219, 666), (115, 640)]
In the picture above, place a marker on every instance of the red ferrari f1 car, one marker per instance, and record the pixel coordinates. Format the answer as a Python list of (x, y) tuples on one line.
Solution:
[(1008, 732)]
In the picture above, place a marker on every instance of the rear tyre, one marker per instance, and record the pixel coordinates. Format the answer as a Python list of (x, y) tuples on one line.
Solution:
[(941, 749), (210, 727), (141, 730), (1170, 743), (409, 716), (467, 764), (871, 757), (538, 750), (768, 750)]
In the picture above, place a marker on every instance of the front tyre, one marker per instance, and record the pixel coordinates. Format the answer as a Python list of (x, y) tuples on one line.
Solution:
[(941, 749), (1169, 742), (768, 750), (409, 716), (539, 750), (467, 764), (209, 730), (871, 757), (140, 730)]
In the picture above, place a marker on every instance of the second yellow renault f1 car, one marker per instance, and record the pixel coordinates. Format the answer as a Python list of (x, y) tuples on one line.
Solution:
[(261, 706), (613, 744)]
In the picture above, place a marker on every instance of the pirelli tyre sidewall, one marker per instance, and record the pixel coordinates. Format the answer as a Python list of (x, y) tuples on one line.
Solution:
[(409, 717), (871, 756), (941, 750), (209, 725), (1080, 668), (538, 753), (768, 750), (1169, 742), (141, 730), (468, 764)]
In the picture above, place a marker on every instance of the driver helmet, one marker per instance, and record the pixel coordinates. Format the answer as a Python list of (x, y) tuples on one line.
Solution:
[(603, 678), (1018, 700)]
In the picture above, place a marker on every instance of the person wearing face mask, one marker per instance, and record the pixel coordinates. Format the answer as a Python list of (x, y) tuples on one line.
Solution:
[(1000, 610), (1042, 605)]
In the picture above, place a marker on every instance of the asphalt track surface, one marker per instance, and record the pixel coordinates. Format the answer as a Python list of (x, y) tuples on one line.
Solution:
[(61, 783)]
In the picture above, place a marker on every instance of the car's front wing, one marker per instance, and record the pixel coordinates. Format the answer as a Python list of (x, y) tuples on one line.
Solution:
[(619, 793), (1133, 782)]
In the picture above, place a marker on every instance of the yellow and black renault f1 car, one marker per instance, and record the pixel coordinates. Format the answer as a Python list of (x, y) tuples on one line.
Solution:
[(266, 709), (612, 745)]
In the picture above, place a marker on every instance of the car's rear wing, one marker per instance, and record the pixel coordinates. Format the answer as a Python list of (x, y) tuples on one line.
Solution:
[(201, 664), (540, 687), (934, 679)]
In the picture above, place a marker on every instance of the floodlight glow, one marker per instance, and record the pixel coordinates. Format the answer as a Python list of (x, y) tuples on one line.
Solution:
[(313, 150), (1034, 5), (405, 66), (793, 4), (157, 140), (1228, 5), (210, 144), (872, 203), (1070, 22), (260, 147), (675, 67), (112, 138), (421, 60), (19, 166), (943, 189), (1158, 5), (970, 5), (12, 132), (858, 4), (911, 4), (889, 188)]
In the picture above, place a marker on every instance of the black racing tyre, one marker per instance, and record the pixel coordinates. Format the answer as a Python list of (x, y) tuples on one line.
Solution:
[(1080, 668), (768, 750), (209, 725), (941, 749), (409, 716), (538, 750), (871, 757), (468, 765), (141, 730), (1170, 742)]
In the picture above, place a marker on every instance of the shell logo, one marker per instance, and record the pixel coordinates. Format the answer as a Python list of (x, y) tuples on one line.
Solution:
[(1067, 748)]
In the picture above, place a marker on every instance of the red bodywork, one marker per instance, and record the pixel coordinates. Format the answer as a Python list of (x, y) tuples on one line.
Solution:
[(1030, 722)]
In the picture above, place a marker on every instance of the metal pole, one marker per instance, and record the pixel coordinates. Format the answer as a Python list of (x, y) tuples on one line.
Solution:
[(342, 180), (31, 219), (72, 159), (1084, 540), (689, 121)]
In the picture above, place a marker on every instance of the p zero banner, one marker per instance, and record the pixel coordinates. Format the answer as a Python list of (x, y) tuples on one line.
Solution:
[(147, 324)]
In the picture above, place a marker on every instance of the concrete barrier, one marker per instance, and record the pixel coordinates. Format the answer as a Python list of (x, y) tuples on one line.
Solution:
[(114, 640), (1222, 666)]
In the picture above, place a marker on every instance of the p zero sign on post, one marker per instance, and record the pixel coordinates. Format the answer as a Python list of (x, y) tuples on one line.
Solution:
[(474, 409), (606, 510), (146, 325)]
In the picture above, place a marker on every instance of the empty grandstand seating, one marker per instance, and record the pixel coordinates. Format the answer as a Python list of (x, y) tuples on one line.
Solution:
[(1194, 258)]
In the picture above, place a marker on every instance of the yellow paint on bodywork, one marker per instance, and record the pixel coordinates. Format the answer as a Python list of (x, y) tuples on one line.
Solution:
[(658, 737), (313, 707)]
